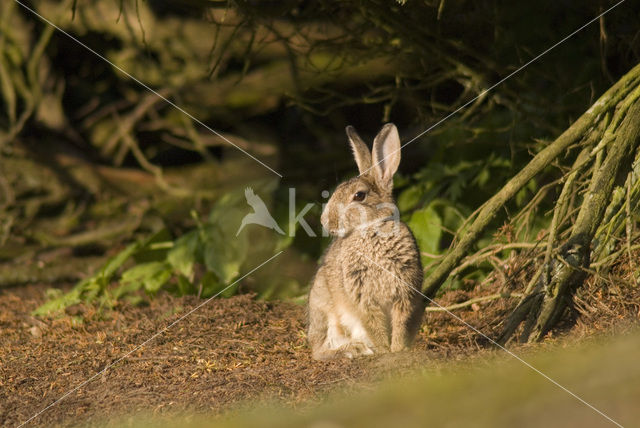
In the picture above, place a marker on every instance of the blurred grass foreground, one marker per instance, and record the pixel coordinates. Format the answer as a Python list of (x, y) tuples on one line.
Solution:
[(501, 392)]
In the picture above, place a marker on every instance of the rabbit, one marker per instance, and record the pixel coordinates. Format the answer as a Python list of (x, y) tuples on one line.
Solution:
[(365, 297)]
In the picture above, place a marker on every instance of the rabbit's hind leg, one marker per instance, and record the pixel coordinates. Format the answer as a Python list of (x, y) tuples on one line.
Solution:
[(317, 333), (406, 317), (325, 334)]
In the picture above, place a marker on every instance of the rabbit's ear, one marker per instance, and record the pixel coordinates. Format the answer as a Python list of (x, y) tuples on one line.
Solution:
[(386, 154), (360, 150)]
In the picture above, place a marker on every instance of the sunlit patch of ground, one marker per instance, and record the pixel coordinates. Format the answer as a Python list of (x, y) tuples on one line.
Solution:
[(228, 355)]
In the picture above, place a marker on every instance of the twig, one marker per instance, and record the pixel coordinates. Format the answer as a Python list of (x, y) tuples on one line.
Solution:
[(472, 301), (613, 256), (629, 226), (153, 169), (127, 123), (433, 256), (490, 251)]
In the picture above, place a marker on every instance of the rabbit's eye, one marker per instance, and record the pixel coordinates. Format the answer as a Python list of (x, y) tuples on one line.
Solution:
[(359, 196)]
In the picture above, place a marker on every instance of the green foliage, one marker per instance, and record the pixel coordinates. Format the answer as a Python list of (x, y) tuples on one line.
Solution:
[(224, 252), (437, 199), (452, 191), (150, 276), (159, 262), (427, 228), (90, 288)]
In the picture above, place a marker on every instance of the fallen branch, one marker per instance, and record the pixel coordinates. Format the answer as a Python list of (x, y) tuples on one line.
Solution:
[(71, 269), (472, 301)]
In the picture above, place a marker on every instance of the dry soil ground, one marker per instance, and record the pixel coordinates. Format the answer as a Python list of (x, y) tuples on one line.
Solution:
[(228, 354)]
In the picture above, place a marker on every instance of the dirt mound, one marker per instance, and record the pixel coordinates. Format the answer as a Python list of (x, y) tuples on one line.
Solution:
[(228, 352)]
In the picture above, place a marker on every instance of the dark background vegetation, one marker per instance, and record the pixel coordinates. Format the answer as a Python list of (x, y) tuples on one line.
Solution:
[(94, 167)]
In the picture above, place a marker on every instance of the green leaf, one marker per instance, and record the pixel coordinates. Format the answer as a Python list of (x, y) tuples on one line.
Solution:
[(210, 285), (426, 226), (451, 217), (152, 276), (521, 196), (155, 247), (183, 256), (93, 288), (126, 288), (115, 262), (223, 255), (59, 303), (135, 300), (482, 178), (224, 252), (89, 288), (409, 198), (185, 286)]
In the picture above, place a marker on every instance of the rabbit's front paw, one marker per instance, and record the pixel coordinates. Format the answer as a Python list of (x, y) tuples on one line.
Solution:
[(356, 349), (326, 354)]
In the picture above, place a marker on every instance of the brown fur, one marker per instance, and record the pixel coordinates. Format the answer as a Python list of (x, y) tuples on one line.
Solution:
[(364, 297)]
